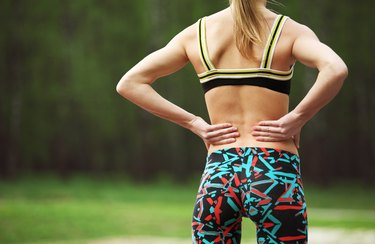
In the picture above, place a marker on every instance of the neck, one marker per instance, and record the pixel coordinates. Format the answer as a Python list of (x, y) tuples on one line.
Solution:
[(261, 4)]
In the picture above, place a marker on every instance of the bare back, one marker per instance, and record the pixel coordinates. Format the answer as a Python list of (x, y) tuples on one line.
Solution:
[(243, 106)]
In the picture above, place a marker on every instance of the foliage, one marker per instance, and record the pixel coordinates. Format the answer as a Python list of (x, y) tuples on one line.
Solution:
[(61, 61)]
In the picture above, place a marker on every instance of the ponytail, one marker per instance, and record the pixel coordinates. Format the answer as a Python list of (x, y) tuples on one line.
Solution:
[(249, 25)]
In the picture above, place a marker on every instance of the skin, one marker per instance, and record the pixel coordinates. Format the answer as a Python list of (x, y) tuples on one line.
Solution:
[(239, 115)]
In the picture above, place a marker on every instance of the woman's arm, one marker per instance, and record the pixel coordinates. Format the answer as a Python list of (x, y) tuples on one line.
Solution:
[(332, 72), (135, 86)]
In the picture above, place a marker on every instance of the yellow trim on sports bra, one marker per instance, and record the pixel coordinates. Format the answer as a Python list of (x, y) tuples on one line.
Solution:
[(272, 41), (263, 76), (245, 73), (205, 57), (267, 53)]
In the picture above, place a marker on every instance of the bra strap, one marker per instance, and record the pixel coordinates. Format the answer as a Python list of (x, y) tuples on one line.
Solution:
[(272, 41), (203, 49)]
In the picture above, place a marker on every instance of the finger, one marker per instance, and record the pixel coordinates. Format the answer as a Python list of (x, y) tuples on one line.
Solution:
[(274, 123), (221, 132), (268, 129), (225, 141), (219, 127), (224, 137)]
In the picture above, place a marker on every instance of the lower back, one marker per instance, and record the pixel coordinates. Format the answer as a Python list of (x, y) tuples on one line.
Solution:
[(244, 107)]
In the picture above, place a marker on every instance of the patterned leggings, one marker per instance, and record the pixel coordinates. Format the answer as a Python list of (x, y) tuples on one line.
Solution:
[(263, 184)]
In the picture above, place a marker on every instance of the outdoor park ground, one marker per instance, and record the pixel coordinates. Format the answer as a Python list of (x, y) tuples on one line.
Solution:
[(114, 210)]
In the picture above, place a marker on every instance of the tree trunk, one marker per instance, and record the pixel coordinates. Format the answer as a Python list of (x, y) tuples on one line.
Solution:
[(14, 67)]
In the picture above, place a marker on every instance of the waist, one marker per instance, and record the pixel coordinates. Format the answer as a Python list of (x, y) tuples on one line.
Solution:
[(247, 140), (245, 123), (245, 151)]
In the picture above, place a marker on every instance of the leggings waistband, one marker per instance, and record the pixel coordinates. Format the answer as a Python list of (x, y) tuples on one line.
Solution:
[(245, 151)]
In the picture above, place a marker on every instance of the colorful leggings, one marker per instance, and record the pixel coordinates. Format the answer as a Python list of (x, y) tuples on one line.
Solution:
[(260, 183)]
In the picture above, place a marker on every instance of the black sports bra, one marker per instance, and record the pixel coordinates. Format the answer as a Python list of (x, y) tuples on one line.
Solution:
[(263, 76)]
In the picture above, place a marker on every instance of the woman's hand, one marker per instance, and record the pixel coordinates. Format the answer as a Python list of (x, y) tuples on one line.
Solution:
[(217, 134), (288, 126)]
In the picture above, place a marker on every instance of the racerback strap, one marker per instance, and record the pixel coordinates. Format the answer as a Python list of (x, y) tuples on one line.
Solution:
[(203, 45), (273, 38), (269, 49)]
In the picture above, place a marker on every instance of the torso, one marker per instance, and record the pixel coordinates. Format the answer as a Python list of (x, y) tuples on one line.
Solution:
[(243, 106)]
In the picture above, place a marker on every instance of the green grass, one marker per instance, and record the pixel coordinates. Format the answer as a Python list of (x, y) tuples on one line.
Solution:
[(48, 209)]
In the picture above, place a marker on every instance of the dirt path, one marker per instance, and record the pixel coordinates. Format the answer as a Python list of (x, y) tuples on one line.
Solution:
[(341, 236), (316, 236)]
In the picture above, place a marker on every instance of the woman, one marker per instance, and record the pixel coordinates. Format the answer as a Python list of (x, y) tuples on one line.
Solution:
[(244, 57)]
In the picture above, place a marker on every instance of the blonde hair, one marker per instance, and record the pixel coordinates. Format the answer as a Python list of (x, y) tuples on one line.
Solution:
[(249, 25)]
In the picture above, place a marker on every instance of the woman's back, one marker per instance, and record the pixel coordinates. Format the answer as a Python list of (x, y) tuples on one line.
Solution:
[(243, 106), (257, 180), (258, 98)]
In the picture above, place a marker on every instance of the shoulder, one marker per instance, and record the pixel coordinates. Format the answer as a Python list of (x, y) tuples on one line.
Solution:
[(187, 35), (217, 19), (298, 30)]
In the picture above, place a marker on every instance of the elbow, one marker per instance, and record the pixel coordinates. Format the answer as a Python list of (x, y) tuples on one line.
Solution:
[(120, 88), (342, 71), (123, 86), (338, 70), (131, 84)]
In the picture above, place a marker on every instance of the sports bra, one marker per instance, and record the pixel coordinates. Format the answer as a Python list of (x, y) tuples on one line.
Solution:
[(263, 76)]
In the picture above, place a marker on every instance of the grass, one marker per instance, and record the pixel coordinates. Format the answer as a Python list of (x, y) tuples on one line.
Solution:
[(47, 209)]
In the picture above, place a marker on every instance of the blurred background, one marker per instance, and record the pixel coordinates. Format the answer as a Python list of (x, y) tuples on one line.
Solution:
[(61, 118)]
